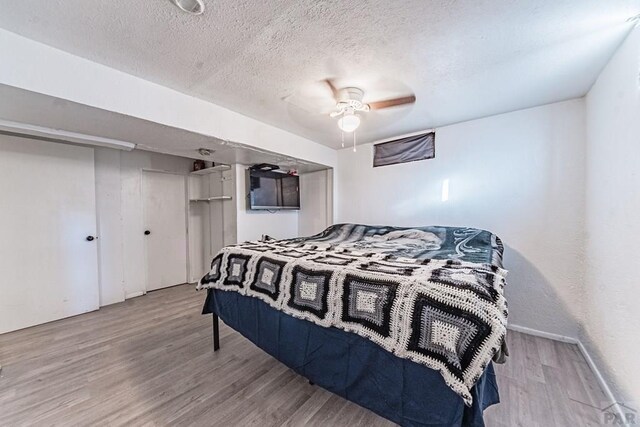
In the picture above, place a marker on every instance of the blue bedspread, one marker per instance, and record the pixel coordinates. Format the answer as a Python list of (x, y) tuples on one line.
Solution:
[(354, 367)]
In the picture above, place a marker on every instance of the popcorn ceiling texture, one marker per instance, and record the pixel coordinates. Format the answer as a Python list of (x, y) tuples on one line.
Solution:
[(459, 58)]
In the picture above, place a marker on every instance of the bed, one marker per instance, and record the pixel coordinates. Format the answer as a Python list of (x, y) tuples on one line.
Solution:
[(406, 322)]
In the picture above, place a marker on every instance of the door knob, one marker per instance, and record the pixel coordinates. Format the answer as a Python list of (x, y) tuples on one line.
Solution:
[(90, 238), (147, 232)]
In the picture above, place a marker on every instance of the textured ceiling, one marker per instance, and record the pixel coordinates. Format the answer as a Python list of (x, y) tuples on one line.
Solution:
[(462, 59)]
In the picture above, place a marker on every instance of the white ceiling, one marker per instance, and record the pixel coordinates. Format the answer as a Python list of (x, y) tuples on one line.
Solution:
[(462, 59), (22, 106)]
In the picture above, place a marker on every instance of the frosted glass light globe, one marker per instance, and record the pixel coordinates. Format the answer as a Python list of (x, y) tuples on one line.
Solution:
[(349, 122)]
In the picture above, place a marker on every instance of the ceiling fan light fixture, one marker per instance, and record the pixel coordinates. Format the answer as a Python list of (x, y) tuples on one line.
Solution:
[(193, 7), (349, 122)]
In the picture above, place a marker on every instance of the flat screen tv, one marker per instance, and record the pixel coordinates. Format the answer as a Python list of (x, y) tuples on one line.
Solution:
[(270, 190)]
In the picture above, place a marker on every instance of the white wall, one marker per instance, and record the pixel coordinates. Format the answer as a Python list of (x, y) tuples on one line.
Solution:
[(316, 197), (518, 175), (612, 288), (121, 242), (251, 225)]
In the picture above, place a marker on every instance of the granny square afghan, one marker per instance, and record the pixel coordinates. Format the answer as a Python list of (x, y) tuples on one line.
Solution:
[(433, 295)]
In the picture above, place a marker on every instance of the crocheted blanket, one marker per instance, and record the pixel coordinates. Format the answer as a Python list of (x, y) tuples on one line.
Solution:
[(433, 295)]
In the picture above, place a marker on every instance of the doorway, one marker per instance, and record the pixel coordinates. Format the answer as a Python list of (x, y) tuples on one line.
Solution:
[(48, 251), (165, 230)]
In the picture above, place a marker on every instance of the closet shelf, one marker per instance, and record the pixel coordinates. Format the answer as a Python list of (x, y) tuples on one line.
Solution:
[(210, 199), (205, 171)]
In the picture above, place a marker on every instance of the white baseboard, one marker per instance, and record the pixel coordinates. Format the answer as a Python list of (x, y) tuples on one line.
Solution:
[(134, 294), (601, 381), (543, 334), (594, 368)]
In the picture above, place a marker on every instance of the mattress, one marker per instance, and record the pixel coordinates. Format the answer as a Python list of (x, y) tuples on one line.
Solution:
[(429, 295)]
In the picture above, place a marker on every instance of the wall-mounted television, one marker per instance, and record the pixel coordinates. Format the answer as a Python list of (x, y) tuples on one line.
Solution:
[(269, 190)]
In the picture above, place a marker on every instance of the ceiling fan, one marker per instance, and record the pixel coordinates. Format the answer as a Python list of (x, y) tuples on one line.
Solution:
[(349, 103)]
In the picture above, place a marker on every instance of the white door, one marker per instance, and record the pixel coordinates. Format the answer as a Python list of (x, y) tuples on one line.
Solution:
[(48, 268), (165, 231)]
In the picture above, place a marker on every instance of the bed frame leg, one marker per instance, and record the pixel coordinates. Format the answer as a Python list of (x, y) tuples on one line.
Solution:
[(216, 333)]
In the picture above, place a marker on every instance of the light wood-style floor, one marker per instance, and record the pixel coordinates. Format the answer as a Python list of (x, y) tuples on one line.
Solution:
[(149, 361)]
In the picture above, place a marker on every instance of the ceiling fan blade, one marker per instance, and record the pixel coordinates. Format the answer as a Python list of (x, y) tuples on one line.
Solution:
[(392, 102), (334, 90)]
